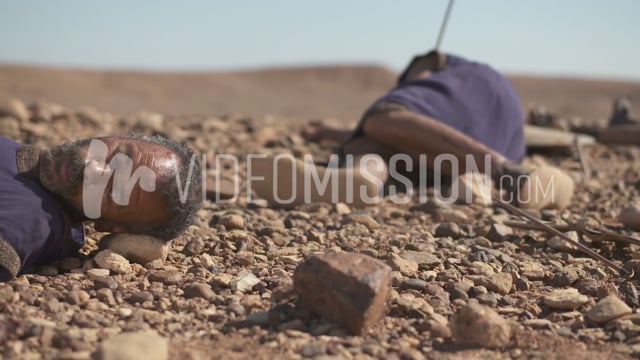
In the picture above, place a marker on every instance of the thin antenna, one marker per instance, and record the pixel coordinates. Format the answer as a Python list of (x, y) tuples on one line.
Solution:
[(443, 27)]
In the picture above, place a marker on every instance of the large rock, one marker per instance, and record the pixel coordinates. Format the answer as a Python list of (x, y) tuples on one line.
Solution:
[(137, 248), (479, 325), (630, 217), (607, 309), (133, 346), (347, 288)]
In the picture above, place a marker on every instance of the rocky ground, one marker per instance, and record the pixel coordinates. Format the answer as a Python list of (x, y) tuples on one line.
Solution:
[(225, 288)]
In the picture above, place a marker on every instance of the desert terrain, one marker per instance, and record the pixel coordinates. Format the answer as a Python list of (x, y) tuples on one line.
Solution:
[(224, 291)]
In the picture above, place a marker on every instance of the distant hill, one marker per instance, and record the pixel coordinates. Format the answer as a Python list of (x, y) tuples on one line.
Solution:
[(296, 92)]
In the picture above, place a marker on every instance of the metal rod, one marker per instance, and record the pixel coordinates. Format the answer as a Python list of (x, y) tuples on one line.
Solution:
[(620, 270), (443, 27)]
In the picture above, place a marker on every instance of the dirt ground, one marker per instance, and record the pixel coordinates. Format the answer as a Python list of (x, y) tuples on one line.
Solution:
[(61, 312)]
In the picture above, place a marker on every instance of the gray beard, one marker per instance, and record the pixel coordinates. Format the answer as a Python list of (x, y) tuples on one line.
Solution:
[(27, 161)]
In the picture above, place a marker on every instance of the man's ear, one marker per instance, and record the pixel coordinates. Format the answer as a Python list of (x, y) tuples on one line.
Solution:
[(102, 227)]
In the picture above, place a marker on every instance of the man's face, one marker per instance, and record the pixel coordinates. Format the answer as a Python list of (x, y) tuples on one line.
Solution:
[(67, 169)]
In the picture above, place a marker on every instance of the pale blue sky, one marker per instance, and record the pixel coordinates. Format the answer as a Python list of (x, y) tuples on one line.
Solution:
[(575, 37)]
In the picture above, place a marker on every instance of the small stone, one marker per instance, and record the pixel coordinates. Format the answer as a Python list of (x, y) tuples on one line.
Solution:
[(97, 272), (167, 277), (194, 247), (498, 282), (108, 259), (397, 263), (479, 325), (422, 258), (414, 284), (565, 299), (102, 282), (342, 209), (448, 229), (474, 188), (313, 349), (198, 290), (133, 346), (560, 244), (607, 309), (124, 312), (499, 232), (16, 109), (106, 296), (362, 219), (141, 297), (141, 249), (348, 288), (630, 217), (532, 270), (232, 222), (75, 297), (244, 282)]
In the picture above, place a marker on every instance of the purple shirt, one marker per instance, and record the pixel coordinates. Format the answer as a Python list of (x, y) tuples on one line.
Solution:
[(30, 218), (472, 98)]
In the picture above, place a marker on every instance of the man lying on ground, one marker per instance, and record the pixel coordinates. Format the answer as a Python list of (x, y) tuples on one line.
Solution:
[(123, 184), (442, 104)]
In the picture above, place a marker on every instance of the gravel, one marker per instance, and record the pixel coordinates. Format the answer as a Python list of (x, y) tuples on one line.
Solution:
[(225, 288)]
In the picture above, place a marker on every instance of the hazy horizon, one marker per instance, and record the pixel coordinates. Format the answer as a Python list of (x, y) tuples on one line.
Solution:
[(583, 39)]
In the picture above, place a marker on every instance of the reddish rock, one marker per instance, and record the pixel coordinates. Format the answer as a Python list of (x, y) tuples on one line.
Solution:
[(347, 288)]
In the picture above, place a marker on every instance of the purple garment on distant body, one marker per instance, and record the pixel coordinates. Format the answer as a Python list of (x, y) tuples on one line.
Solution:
[(472, 98), (30, 218)]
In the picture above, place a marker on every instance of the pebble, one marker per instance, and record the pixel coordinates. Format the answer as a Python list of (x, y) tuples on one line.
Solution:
[(232, 222), (560, 244), (133, 346), (448, 229), (106, 296), (194, 247), (362, 219), (198, 290), (404, 266), (607, 309), (422, 258), (167, 277), (141, 249), (498, 282), (479, 325), (141, 297), (108, 259), (75, 297), (348, 288), (342, 209), (565, 299), (102, 282), (630, 217), (97, 272), (244, 282), (499, 232), (414, 284)]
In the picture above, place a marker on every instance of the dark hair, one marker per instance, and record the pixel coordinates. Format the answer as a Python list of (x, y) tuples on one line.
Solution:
[(180, 213)]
